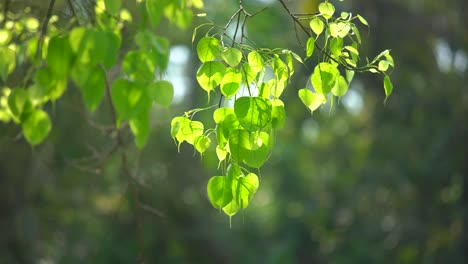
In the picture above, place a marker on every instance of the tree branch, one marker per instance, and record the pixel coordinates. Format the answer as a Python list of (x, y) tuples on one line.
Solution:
[(43, 30)]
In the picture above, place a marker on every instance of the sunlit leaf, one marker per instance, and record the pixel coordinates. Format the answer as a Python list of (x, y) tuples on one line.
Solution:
[(310, 99), (19, 104), (278, 114), (388, 86), (36, 127), (253, 113), (341, 86), (317, 25), (255, 61), (310, 46), (230, 83), (7, 62), (326, 9), (210, 74), (155, 9), (129, 99), (383, 65), (232, 56), (363, 20), (208, 49), (324, 77), (202, 143), (244, 188), (92, 83), (140, 127), (113, 6), (219, 191)]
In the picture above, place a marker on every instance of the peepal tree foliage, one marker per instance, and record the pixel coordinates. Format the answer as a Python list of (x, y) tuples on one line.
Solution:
[(244, 98), (249, 109)]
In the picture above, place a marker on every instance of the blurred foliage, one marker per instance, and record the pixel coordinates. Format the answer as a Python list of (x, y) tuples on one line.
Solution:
[(366, 183)]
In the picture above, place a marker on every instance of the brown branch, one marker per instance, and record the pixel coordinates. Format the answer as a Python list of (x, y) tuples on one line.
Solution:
[(43, 30)]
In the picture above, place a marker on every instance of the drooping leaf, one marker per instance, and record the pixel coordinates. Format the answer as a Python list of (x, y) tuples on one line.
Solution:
[(244, 188), (189, 131), (7, 62), (19, 104), (339, 29), (240, 143), (221, 113), (140, 127), (260, 149), (324, 77), (202, 143), (311, 100), (336, 44), (232, 56), (129, 99), (363, 20), (92, 84), (139, 66), (230, 82), (255, 61), (253, 113), (341, 87), (155, 9), (208, 49), (156, 47), (59, 56), (36, 127), (210, 74), (388, 86), (383, 65), (317, 25), (161, 92), (219, 191), (310, 46), (326, 9), (278, 114)]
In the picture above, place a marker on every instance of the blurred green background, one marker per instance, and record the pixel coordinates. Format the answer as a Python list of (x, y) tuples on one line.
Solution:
[(366, 183)]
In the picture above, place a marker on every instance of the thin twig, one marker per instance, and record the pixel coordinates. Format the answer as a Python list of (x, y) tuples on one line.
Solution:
[(43, 30)]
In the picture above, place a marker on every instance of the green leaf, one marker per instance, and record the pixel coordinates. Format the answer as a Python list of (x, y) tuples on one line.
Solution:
[(326, 9), (59, 56), (189, 131), (202, 143), (388, 86), (336, 44), (340, 29), (161, 92), (139, 66), (311, 100), (255, 61), (363, 20), (129, 99), (50, 87), (341, 87), (230, 83), (219, 191), (221, 153), (7, 62), (155, 9), (243, 189), (221, 113), (260, 150), (310, 46), (19, 104), (113, 6), (232, 56), (278, 114), (317, 25), (176, 124), (112, 49), (36, 127), (349, 75), (248, 75), (210, 74), (383, 65), (240, 143), (208, 49), (324, 77), (92, 84), (140, 128), (253, 113), (155, 46)]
